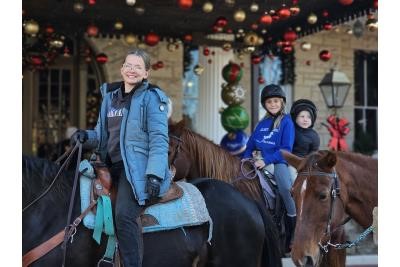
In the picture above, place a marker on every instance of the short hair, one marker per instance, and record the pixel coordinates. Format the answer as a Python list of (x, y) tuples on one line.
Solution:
[(140, 53)]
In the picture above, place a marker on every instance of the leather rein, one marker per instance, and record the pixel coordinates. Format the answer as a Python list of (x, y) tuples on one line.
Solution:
[(69, 231), (335, 193)]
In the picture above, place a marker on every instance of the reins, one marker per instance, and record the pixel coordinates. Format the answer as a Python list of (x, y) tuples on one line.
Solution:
[(177, 148), (57, 175), (335, 193)]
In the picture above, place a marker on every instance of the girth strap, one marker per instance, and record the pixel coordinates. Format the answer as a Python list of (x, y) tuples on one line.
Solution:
[(104, 220)]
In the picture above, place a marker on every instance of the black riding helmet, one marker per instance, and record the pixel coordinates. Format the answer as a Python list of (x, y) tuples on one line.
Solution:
[(304, 104), (272, 90)]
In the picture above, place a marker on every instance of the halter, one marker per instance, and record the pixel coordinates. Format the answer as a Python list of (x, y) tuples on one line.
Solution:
[(335, 192), (177, 147)]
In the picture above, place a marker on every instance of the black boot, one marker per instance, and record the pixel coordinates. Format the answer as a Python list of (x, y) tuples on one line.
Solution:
[(290, 226)]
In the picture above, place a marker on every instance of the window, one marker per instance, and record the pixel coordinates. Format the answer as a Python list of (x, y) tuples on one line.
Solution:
[(366, 102)]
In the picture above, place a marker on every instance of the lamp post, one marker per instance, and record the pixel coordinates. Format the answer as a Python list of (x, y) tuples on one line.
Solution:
[(334, 88)]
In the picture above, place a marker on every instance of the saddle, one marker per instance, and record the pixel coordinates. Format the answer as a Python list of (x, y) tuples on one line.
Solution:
[(102, 185)]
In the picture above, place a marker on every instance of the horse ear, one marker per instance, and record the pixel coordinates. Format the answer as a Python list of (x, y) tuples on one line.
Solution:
[(178, 127), (329, 160), (291, 158)]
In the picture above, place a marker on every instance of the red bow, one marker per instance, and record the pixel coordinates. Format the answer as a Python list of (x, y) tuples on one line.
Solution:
[(338, 130)]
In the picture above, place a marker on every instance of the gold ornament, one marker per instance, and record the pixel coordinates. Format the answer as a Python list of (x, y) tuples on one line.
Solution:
[(251, 39), (226, 46), (312, 18), (230, 3), (130, 39), (130, 2), (57, 43), (171, 47), (118, 25), (305, 46), (198, 69), (78, 7), (260, 41), (208, 7), (372, 24), (239, 15), (139, 9), (254, 7), (31, 27)]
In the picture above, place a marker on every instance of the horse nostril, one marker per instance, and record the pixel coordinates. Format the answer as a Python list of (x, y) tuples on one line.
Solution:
[(309, 261)]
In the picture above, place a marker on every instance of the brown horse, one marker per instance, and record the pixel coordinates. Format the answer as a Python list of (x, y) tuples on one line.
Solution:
[(329, 187), (195, 156)]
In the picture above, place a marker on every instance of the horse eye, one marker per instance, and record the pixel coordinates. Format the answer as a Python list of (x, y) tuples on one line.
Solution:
[(323, 196)]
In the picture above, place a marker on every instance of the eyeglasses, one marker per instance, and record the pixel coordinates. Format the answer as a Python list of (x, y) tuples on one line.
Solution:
[(129, 67)]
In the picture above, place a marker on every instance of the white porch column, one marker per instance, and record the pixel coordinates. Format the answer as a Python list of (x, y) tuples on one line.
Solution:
[(208, 119)]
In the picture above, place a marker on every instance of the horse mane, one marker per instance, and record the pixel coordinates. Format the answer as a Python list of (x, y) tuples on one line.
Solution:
[(213, 160), (367, 162), (37, 175)]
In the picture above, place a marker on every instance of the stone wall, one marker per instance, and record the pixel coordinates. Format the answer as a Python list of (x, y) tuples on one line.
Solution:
[(310, 71)]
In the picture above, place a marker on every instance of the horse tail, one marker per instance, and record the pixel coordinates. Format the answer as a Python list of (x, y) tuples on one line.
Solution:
[(271, 255)]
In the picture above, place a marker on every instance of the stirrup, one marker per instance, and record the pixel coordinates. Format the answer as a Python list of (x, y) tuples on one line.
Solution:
[(105, 260)]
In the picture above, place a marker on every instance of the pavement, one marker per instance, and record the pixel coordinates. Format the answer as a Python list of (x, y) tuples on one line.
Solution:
[(351, 261)]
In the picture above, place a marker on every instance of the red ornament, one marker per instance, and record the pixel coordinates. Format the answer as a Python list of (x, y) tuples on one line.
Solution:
[(188, 38), (256, 60), (376, 4), (101, 58), (328, 26), (254, 26), (217, 29), (266, 19), (221, 22), (275, 17), (325, 13), (284, 13), (287, 49), (49, 29), (151, 39), (290, 36), (92, 30), (338, 129), (92, 2), (261, 80), (160, 64), (185, 4), (346, 2), (325, 55), (36, 60), (206, 51)]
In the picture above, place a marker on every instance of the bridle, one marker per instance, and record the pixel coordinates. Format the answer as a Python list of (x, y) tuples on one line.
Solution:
[(177, 147), (335, 193)]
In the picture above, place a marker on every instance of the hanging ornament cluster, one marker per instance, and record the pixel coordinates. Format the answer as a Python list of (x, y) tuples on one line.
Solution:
[(338, 129), (234, 118)]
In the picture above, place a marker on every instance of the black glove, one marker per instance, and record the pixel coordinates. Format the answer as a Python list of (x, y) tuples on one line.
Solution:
[(153, 186), (79, 135)]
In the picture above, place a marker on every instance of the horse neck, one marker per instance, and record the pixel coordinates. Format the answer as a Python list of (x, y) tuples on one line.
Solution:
[(209, 159), (358, 186)]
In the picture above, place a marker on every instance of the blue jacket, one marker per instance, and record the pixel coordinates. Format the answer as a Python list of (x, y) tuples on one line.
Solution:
[(143, 137), (270, 142)]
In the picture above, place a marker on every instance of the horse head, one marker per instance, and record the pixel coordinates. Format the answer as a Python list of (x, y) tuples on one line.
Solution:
[(318, 207), (177, 152)]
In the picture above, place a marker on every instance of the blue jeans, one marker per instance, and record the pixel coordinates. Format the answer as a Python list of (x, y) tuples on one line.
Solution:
[(127, 220), (284, 182)]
